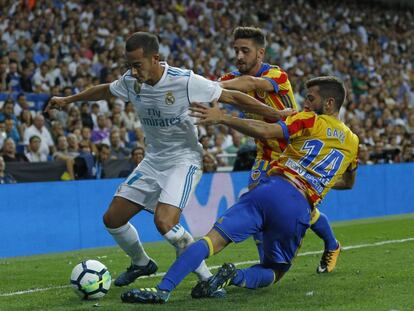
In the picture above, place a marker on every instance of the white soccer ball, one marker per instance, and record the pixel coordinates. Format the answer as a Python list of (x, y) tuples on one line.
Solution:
[(90, 279)]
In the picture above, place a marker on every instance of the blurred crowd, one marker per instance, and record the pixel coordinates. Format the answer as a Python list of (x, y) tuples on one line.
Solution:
[(63, 47)]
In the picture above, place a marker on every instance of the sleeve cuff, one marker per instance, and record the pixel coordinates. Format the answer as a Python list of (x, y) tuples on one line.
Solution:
[(284, 129), (275, 85)]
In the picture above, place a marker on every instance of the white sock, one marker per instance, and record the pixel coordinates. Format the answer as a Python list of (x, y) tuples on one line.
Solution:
[(181, 239), (127, 238)]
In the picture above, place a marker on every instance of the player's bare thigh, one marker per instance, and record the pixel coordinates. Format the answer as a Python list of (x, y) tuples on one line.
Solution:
[(120, 211)]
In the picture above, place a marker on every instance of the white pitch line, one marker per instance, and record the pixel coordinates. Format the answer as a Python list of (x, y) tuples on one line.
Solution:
[(242, 263)]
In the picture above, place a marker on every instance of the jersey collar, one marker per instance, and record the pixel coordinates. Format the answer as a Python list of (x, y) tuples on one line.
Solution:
[(264, 67)]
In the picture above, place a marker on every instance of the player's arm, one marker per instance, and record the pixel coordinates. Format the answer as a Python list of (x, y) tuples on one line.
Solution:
[(346, 181), (97, 92), (252, 105), (254, 128), (248, 83)]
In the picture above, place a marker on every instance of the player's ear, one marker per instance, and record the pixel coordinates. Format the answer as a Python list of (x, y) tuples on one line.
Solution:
[(260, 53), (330, 104), (155, 58)]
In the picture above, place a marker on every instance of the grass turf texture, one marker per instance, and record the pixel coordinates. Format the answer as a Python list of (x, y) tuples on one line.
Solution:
[(367, 278)]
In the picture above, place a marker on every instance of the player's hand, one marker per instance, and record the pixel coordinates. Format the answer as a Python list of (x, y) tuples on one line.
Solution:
[(287, 112), (206, 115), (57, 103)]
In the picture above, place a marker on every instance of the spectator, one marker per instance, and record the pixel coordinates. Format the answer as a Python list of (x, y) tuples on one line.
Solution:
[(40, 81), (137, 155), (88, 166), (129, 117), (11, 130), (5, 178), (26, 120), (21, 104), (234, 147), (38, 129), (100, 134), (117, 150), (7, 111), (86, 117), (73, 145), (13, 78), (209, 163), (33, 153), (10, 154), (375, 61)]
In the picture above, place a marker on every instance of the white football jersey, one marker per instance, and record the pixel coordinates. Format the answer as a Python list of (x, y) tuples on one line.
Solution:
[(170, 133)]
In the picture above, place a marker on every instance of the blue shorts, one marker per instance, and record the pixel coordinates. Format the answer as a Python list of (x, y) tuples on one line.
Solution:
[(275, 207), (258, 171)]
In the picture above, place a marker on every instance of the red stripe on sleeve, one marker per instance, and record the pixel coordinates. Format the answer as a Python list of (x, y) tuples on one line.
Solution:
[(282, 79), (300, 124), (282, 143), (227, 76)]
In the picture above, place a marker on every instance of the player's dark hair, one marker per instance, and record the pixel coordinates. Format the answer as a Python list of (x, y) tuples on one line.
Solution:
[(142, 40), (329, 87), (252, 33)]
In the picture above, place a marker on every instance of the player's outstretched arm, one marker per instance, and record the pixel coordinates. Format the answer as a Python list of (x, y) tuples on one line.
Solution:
[(247, 83), (97, 92), (250, 104), (254, 128)]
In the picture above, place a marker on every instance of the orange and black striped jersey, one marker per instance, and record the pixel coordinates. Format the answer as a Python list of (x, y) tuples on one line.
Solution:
[(320, 149), (282, 97)]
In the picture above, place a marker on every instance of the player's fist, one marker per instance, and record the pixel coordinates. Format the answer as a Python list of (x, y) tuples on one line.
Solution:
[(57, 103)]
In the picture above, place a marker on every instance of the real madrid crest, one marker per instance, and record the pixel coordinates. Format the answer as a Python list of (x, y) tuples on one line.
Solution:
[(137, 87), (169, 98)]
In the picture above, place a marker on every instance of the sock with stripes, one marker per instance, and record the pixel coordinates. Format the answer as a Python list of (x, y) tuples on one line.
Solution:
[(181, 239)]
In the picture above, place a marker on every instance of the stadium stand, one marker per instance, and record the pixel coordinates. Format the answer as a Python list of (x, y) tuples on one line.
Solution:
[(62, 47)]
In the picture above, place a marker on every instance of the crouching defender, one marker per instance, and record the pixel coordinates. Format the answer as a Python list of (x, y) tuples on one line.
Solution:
[(321, 154)]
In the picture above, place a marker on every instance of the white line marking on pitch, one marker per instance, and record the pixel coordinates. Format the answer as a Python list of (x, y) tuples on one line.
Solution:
[(249, 262)]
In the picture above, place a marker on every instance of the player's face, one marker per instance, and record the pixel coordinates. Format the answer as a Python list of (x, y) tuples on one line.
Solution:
[(248, 56), (141, 65), (313, 101)]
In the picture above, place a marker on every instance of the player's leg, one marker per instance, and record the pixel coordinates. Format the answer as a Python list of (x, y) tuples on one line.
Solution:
[(237, 224), (320, 225), (258, 172), (137, 191), (189, 260), (178, 184), (286, 214)]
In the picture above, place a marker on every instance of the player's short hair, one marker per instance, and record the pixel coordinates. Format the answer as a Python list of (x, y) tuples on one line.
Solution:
[(252, 33), (329, 87), (142, 40)]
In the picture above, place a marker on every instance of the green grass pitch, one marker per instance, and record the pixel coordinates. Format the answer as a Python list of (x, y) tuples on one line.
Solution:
[(375, 272)]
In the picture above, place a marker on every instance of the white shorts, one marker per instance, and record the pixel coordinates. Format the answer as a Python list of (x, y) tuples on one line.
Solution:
[(147, 185)]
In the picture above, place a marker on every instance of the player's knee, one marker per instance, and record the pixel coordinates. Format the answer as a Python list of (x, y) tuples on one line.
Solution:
[(164, 224), (108, 221), (111, 221)]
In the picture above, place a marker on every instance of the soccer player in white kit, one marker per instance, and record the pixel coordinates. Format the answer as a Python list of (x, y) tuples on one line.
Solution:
[(163, 182)]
